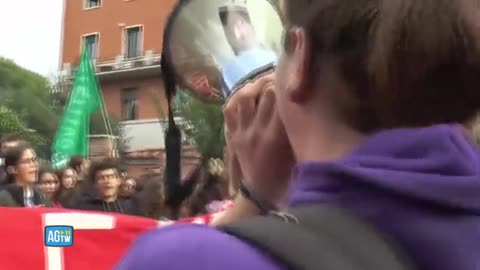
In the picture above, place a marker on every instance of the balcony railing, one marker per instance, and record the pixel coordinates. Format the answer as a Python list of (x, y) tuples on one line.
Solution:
[(149, 133), (120, 63)]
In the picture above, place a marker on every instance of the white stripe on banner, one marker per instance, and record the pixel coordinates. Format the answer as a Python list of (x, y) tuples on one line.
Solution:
[(165, 223), (79, 221)]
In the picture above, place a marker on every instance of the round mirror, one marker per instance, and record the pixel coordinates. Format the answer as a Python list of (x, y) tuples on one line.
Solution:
[(216, 46)]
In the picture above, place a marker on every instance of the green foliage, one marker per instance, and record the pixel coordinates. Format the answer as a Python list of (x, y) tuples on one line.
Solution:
[(204, 124), (25, 106), (98, 126), (32, 105), (10, 123), (27, 95)]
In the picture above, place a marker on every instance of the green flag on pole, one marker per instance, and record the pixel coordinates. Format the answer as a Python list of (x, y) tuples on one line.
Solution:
[(72, 135)]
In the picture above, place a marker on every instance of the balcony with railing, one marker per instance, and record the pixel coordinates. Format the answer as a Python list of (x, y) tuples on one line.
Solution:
[(122, 66)]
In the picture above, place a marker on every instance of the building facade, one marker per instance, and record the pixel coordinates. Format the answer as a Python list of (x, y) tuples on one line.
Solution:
[(124, 40)]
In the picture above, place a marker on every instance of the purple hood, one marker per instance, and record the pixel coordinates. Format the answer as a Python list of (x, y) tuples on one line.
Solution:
[(420, 186)]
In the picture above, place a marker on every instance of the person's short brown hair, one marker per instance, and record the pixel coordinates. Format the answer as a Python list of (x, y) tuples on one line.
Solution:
[(103, 165), (76, 163), (406, 62), (13, 137), (224, 12), (13, 156)]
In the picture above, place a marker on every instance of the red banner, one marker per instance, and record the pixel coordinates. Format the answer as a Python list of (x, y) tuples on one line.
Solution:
[(99, 240)]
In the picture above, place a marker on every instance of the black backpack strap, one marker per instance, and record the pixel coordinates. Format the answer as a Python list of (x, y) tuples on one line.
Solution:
[(321, 238)]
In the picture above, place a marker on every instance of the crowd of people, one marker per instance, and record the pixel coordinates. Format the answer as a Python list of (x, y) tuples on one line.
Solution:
[(352, 152), (103, 186)]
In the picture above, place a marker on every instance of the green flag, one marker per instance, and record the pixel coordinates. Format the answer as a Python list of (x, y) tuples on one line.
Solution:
[(72, 134)]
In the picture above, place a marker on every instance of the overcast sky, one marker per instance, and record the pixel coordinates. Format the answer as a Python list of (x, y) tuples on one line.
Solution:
[(31, 33)]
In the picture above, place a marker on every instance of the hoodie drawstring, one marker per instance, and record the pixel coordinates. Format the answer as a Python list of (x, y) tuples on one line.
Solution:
[(116, 205), (119, 207)]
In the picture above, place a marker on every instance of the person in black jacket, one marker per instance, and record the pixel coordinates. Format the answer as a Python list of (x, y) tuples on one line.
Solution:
[(22, 170), (104, 180)]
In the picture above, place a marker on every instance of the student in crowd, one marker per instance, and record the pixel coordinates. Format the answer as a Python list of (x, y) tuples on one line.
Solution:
[(49, 185), (211, 193), (105, 186), (22, 170), (82, 188), (68, 182), (6, 143), (152, 197), (68, 178), (223, 191), (362, 103), (127, 187), (80, 165)]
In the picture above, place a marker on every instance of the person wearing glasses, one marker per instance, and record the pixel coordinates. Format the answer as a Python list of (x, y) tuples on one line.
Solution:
[(362, 117), (49, 185), (104, 181), (22, 170)]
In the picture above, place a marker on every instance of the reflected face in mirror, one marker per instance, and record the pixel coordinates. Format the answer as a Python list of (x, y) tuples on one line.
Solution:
[(215, 46), (238, 30)]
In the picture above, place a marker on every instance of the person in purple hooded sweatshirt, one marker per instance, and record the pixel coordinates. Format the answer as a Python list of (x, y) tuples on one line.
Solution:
[(362, 103)]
